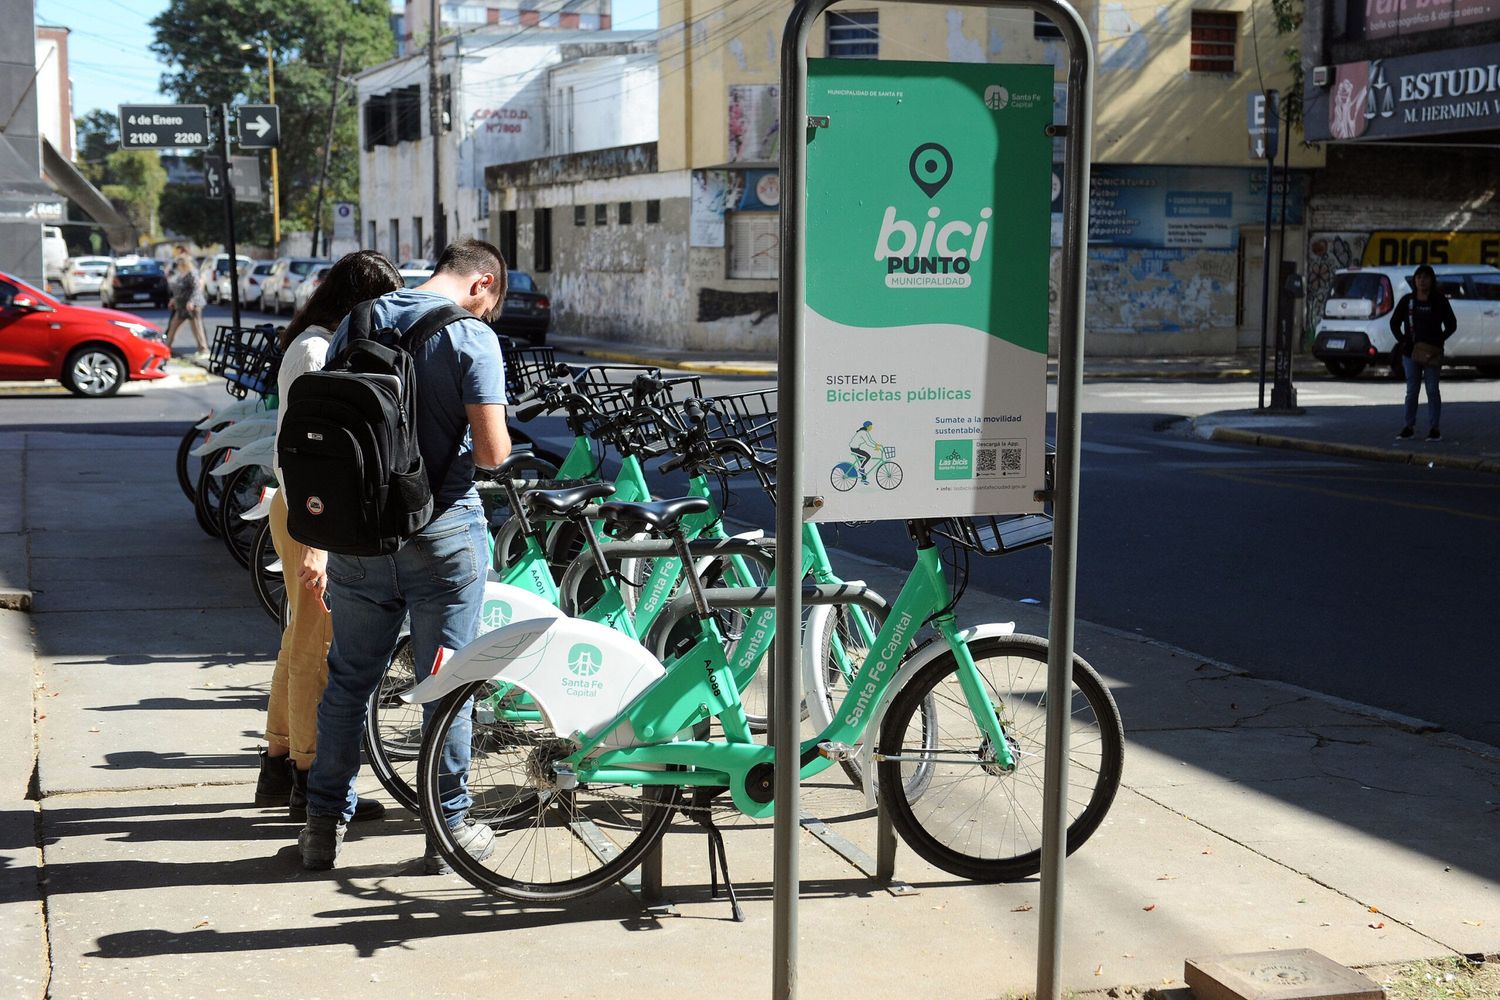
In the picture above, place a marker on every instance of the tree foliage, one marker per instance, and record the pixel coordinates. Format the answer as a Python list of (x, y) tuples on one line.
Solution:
[(217, 52), (137, 182), (1288, 15)]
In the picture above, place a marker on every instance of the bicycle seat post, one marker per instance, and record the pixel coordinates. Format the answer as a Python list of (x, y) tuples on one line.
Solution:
[(695, 586)]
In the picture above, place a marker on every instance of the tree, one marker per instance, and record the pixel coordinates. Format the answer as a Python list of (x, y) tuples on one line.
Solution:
[(98, 136), (217, 50), (137, 182), (1288, 15)]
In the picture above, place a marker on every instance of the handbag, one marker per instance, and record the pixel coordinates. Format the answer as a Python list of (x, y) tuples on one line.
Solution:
[(1427, 355)]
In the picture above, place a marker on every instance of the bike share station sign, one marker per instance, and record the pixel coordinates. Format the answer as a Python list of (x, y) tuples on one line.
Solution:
[(924, 379)]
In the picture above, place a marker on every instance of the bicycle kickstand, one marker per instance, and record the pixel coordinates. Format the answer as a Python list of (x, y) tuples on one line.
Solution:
[(717, 856)]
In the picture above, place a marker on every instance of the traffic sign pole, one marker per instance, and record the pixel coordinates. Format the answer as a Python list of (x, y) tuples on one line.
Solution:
[(1270, 111), (228, 191)]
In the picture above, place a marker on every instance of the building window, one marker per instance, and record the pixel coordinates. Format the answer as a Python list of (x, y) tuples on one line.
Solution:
[(484, 203), (624, 213), (373, 240), (508, 237), (854, 35), (445, 94), (393, 117), (601, 215), (396, 240), (580, 215), (541, 249), (1213, 41), (653, 211), (1042, 27), (754, 239), (416, 237)]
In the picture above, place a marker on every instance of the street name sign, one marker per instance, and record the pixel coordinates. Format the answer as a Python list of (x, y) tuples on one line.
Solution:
[(1264, 122), (257, 126), (927, 247), (164, 126), (343, 220)]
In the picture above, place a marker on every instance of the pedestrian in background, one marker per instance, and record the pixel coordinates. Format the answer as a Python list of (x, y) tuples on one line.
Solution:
[(302, 665), (438, 574), (187, 304), (1422, 323)]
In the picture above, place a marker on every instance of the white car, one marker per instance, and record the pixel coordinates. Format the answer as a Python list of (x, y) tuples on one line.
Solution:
[(309, 285), (213, 276), (251, 279), (1355, 329), (279, 289), (83, 276)]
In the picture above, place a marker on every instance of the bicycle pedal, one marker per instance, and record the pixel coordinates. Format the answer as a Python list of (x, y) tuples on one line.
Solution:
[(836, 751)]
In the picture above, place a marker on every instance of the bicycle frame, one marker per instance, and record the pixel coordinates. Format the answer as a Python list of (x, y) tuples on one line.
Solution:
[(684, 697)]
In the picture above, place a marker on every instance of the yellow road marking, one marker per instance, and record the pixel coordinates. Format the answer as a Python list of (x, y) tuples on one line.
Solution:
[(1345, 495)]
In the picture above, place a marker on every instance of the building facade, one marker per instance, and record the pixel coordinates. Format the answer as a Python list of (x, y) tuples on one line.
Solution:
[(1178, 194), (1407, 97)]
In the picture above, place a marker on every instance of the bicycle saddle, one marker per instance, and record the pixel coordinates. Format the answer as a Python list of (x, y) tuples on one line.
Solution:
[(659, 515), (515, 458), (566, 502)]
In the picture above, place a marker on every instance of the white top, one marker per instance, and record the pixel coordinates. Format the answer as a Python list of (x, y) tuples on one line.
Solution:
[(308, 352)]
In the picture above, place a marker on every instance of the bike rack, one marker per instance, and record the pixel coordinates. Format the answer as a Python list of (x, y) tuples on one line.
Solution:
[(787, 693)]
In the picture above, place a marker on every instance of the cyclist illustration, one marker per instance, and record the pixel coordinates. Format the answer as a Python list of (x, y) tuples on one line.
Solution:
[(864, 446)]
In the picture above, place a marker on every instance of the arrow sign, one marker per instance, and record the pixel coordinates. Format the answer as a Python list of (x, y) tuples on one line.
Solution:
[(258, 126)]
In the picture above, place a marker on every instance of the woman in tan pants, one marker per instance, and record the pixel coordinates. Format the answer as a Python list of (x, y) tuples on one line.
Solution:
[(302, 666)]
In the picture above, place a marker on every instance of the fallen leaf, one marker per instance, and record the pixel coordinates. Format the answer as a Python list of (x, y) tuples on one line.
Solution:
[(1378, 924), (93, 729), (1099, 971), (1023, 908), (1374, 909), (1165, 878), (1474, 923), (201, 923), (1208, 852), (1148, 909)]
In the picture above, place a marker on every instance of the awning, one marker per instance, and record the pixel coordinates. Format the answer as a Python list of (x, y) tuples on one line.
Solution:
[(66, 178)]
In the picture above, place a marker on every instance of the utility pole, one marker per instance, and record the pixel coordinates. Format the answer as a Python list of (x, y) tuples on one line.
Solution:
[(275, 171), (435, 109), (333, 114)]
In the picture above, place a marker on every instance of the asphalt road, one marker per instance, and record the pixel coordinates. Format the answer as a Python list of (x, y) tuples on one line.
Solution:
[(1372, 582)]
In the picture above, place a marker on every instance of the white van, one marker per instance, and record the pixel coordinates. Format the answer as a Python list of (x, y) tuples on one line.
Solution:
[(1355, 329), (54, 253)]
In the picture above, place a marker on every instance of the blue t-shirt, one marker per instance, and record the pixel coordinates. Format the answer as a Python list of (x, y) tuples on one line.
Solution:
[(458, 366)]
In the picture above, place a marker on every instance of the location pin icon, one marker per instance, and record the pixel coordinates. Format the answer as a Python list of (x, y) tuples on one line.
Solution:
[(931, 166)]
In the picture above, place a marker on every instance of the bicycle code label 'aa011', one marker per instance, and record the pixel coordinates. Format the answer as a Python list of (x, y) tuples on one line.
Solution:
[(924, 384)]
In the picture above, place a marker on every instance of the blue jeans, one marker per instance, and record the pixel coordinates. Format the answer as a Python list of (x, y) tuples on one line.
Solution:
[(1416, 375), (438, 576)]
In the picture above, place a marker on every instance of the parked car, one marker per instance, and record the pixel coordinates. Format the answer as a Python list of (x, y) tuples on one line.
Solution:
[(250, 282), (308, 286), (54, 253), (92, 351), (279, 289), (83, 276), (526, 313), (414, 276), (213, 275), (136, 280), (417, 264), (1355, 329)]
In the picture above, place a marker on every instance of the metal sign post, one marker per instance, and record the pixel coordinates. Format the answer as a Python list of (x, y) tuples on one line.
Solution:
[(946, 242), (1264, 121), (228, 195)]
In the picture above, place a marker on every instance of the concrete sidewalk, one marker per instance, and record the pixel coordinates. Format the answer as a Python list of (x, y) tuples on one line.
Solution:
[(1253, 816)]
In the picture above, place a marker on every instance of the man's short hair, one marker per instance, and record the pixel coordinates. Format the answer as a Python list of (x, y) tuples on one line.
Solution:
[(473, 257)]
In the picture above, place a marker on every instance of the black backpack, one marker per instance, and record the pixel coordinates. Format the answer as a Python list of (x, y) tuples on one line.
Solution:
[(352, 474)]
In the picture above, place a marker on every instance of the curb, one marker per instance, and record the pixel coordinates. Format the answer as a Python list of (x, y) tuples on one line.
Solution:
[(1467, 463)]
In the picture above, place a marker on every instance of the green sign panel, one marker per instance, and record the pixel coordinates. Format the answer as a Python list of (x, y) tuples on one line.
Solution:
[(927, 248)]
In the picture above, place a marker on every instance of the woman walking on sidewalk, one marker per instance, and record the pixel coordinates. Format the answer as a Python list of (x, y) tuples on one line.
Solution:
[(302, 665), (187, 304), (1422, 322)]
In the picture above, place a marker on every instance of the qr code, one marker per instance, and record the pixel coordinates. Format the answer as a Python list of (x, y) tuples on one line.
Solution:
[(1000, 458)]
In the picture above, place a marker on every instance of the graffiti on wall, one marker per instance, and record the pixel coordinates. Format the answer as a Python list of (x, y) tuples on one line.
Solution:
[(718, 191), (715, 305), (1142, 290)]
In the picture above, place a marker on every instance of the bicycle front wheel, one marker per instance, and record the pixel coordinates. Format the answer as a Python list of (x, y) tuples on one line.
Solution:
[(265, 572), (888, 476), (974, 820), (550, 843)]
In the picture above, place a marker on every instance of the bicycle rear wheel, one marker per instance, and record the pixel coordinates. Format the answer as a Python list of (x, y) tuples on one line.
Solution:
[(974, 820), (185, 473), (265, 574), (550, 843), (210, 493), (242, 492), (393, 729)]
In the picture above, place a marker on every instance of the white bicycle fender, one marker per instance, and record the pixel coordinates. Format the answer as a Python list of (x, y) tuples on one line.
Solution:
[(233, 413), (922, 657), (505, 603), (259, 452), (581, 674), (263, 508), (238, 434)]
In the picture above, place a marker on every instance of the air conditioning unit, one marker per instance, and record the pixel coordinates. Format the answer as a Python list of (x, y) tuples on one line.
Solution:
[(1322, 76)]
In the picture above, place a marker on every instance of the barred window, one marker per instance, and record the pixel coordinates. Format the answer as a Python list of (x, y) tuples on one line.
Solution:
[(854, 35), (1214, 35)]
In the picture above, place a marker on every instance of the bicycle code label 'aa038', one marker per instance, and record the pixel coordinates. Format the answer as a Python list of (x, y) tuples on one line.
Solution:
[(927, 246)]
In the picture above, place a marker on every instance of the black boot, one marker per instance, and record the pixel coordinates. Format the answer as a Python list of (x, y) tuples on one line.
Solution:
[(274, 786), (296, 808)]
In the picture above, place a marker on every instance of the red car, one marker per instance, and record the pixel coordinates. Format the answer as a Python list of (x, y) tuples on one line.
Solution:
[(92, 351)]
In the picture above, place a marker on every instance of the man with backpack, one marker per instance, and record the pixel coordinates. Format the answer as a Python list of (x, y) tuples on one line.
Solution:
[(436, 574)]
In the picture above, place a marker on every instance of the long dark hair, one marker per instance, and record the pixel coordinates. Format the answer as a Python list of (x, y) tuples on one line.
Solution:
[(364, 274)]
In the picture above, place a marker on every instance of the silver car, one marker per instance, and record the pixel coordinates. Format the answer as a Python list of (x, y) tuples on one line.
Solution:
[(82, 276), (279, 290)]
